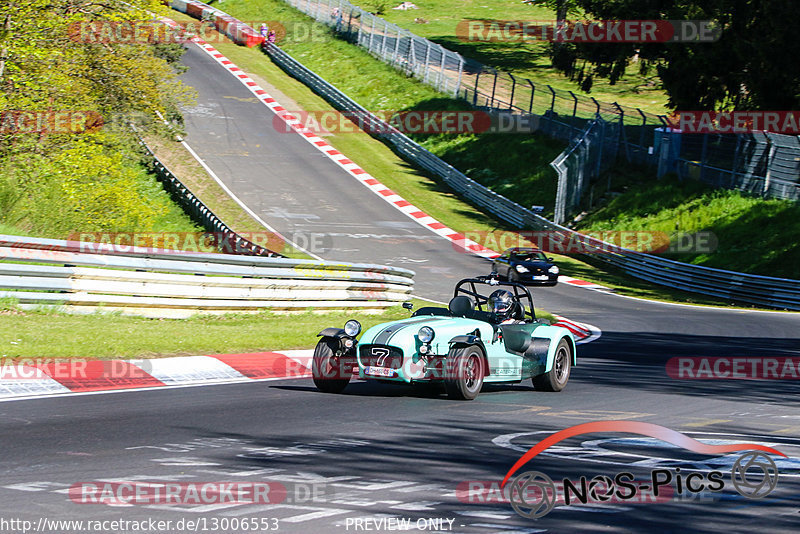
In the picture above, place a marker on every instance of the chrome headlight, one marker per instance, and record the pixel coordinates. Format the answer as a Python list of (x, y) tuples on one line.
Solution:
[(352, 328), (521, 269), (425, 334), (553, 269)]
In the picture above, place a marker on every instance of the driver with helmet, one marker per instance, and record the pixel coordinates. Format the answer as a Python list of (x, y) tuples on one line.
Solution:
[(501, 304)]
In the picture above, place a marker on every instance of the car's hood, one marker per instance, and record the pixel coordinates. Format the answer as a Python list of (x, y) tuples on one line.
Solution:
[(402, 332)]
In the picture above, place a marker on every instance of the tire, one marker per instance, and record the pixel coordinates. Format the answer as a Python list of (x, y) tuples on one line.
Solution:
[(326, 369), (556, 378), (465, 372), (513, 276)]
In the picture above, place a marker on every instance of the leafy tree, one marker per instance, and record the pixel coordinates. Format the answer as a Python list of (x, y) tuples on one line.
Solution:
[(752, 66)]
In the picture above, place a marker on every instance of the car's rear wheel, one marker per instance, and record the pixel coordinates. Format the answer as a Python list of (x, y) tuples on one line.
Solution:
[(465, 371), (558, 376), (330, 373)]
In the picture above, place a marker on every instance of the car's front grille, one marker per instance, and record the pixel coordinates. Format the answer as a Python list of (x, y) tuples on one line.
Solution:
[(380, 356)]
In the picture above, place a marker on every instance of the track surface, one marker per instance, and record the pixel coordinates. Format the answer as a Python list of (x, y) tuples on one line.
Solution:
[(380, 450)]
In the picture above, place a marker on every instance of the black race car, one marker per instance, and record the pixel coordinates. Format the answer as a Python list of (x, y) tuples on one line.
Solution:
[(526, 266)]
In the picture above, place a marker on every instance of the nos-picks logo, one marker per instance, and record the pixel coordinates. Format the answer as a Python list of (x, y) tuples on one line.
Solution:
[(533, 494)]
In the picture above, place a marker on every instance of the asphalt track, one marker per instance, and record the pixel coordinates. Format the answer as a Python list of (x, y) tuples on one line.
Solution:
[(382, 451)]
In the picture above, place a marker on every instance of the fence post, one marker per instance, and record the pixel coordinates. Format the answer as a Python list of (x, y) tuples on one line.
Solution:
[(460, 72), (533, 90), (441, 69), (644, 125), (371, 31), (383, 41), (552, 107), (574, 108), (427, 60), (396, 46), (475, 91), (494, 86), (597, 105), (703, 157), (513, 88), (770, 158)]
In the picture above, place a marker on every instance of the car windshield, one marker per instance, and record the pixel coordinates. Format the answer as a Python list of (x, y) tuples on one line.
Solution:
[(530, 256)]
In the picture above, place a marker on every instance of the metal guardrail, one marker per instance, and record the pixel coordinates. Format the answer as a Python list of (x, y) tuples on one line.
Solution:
[(163, 283), (761, 290), (202, 214)]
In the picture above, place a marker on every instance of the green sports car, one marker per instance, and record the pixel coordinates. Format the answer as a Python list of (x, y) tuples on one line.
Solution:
[(487, 334)]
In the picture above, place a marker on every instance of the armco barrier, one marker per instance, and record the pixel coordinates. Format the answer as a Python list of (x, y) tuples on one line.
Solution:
[(161, 283), (761, 290), (200, 213)]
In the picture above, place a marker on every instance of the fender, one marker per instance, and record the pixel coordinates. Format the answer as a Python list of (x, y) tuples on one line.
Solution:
[(332, 332), (468, 340), (551, 353)]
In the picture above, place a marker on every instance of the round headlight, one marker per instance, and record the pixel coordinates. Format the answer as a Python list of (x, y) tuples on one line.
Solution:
[(352, 328), (553, 269), (521, 269), (425, 334)]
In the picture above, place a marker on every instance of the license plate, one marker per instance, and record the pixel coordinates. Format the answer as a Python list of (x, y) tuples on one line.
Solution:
[(541, 277), (379, 371)]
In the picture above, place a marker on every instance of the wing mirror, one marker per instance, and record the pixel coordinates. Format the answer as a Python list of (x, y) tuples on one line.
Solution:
[(408, 306)]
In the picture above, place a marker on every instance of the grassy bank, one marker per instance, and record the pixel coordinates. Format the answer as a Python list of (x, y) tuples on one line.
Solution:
[(750, 234), (52, 334)]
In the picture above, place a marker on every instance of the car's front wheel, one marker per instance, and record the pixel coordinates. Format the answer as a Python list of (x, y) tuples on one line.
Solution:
[(330, 373), (465, 372), (558, 376)]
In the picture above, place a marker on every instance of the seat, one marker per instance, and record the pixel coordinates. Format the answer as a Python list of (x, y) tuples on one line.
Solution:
[(461, 306), (431, 310)]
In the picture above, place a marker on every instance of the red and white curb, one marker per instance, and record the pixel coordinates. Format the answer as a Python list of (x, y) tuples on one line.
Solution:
[(32, 380)]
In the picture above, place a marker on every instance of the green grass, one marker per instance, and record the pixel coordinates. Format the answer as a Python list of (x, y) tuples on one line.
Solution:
[(754, 235), (528, 60), (52, 334)]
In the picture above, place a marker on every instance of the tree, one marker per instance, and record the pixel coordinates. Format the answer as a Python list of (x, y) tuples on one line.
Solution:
[(752, 66)]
